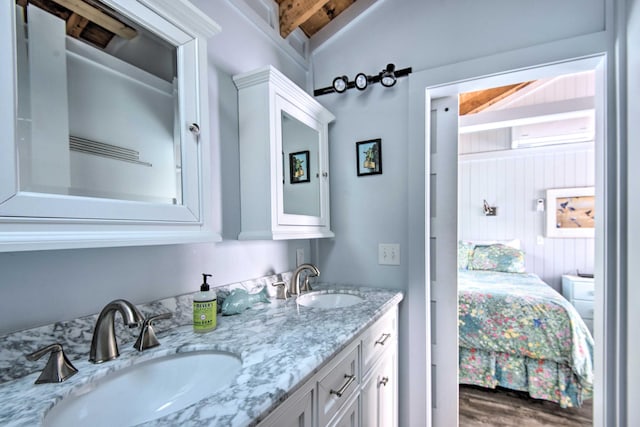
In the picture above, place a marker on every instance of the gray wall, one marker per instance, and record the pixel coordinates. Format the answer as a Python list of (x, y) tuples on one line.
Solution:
[(430, 37), (372, 209)]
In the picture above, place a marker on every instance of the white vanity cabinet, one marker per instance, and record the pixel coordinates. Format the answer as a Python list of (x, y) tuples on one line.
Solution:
[(284, 159), (358, 387), (105, 145)]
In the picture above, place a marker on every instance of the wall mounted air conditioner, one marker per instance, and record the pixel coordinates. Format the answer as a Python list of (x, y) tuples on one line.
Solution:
[(565, 131)]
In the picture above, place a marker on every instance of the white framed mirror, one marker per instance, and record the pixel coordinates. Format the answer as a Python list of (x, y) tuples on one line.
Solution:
[(107, 128), (301, 156)]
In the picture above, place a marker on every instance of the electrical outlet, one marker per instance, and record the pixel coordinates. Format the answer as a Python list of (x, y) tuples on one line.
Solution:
[(299, 256), (388, 254)]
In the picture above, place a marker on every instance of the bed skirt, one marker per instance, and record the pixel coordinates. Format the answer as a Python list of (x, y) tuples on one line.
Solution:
[(542, 379)]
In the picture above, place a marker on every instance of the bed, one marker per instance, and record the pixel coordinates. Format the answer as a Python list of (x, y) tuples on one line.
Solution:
[(517, 332)]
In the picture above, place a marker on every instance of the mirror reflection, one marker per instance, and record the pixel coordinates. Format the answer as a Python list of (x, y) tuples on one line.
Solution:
[(300, 151), (97, 104)]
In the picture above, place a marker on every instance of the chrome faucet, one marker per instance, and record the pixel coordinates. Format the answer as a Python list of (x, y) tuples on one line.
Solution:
[(294, 287), (103, 344)]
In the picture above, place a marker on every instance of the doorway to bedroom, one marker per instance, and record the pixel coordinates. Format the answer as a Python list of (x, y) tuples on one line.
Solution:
[(526, 252), (506, 184)]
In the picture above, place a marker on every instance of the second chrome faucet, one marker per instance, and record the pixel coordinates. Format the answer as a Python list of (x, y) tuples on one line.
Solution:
[(294, 287)]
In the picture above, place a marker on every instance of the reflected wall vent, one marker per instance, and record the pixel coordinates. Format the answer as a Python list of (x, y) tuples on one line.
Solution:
[(103, 149)]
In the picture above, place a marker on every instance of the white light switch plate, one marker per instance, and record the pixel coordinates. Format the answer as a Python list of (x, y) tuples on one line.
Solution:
[(388, 253)]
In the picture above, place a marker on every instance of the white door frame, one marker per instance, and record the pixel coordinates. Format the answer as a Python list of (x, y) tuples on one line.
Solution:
[(521, 65)]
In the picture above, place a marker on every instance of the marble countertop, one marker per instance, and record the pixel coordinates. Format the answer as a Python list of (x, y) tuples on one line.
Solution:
[(281, 344)]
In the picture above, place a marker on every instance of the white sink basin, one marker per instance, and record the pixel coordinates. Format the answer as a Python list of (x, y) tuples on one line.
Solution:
[(329, 300), (146, 391)]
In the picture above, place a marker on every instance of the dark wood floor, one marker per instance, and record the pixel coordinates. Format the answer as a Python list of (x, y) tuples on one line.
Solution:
[(480, 407)]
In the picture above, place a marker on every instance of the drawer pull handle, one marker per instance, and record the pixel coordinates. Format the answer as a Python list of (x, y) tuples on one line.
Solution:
[(383, 339), (345, 386), (384, 381)]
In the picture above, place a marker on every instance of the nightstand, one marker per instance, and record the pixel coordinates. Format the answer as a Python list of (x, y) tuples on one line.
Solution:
[(580, 291)]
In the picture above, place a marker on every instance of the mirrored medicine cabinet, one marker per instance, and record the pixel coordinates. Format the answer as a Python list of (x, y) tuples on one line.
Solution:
[(105, 124), (284, 159)]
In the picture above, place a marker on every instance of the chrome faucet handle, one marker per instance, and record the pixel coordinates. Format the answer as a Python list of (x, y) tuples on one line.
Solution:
[(58, 367), (282, 291), (147, 338)]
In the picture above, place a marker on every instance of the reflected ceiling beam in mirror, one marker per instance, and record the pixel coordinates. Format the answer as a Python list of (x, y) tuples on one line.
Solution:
[(76, 25), (100, 18)]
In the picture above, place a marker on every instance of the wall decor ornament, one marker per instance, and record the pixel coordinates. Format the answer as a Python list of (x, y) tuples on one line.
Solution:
[(369, 157), (571, 212), (299, 167)]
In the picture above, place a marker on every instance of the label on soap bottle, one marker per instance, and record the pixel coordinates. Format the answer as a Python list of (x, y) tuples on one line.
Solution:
[(205, 315)]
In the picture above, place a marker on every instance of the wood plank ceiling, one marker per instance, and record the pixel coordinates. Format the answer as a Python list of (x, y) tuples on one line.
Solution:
[(474, 102), (310, 15), (86, 20)]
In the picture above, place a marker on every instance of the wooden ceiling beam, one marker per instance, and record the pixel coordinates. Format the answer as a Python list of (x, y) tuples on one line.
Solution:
[(295, 12), (325, 15), (99, 17), (474, 102)]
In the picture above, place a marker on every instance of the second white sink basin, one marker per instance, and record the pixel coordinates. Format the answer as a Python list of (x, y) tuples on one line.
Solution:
[(329, 300), (146, 391)]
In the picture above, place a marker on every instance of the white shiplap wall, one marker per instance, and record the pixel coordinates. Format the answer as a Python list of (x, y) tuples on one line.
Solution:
[(513, 180)]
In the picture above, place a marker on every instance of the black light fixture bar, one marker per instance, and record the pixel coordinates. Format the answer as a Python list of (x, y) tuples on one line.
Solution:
[(370, 79)]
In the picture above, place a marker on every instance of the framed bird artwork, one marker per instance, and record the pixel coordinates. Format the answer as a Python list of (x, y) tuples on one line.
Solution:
[(571, 212)]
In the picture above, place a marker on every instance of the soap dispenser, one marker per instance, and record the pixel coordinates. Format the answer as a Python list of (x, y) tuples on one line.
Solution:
[(205, 308)]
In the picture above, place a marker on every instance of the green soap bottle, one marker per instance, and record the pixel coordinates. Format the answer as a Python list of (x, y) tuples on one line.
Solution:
[(205, 308)]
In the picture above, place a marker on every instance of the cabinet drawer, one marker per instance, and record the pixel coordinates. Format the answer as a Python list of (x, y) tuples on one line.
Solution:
[(335, 388), (584, 308), (296, 411), (349, 416), (381, 335), (583, 290)]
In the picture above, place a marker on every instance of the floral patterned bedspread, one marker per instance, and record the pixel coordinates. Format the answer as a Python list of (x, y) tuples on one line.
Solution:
[(517, 332)]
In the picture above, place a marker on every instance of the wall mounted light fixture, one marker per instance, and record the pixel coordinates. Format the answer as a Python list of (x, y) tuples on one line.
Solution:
[(489, 210), (361, 81), (387, 78), (340, 84)]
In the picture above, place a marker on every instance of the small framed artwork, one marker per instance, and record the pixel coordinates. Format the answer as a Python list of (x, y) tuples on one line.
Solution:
[(571, 212), (299, 167), (369, 157)]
